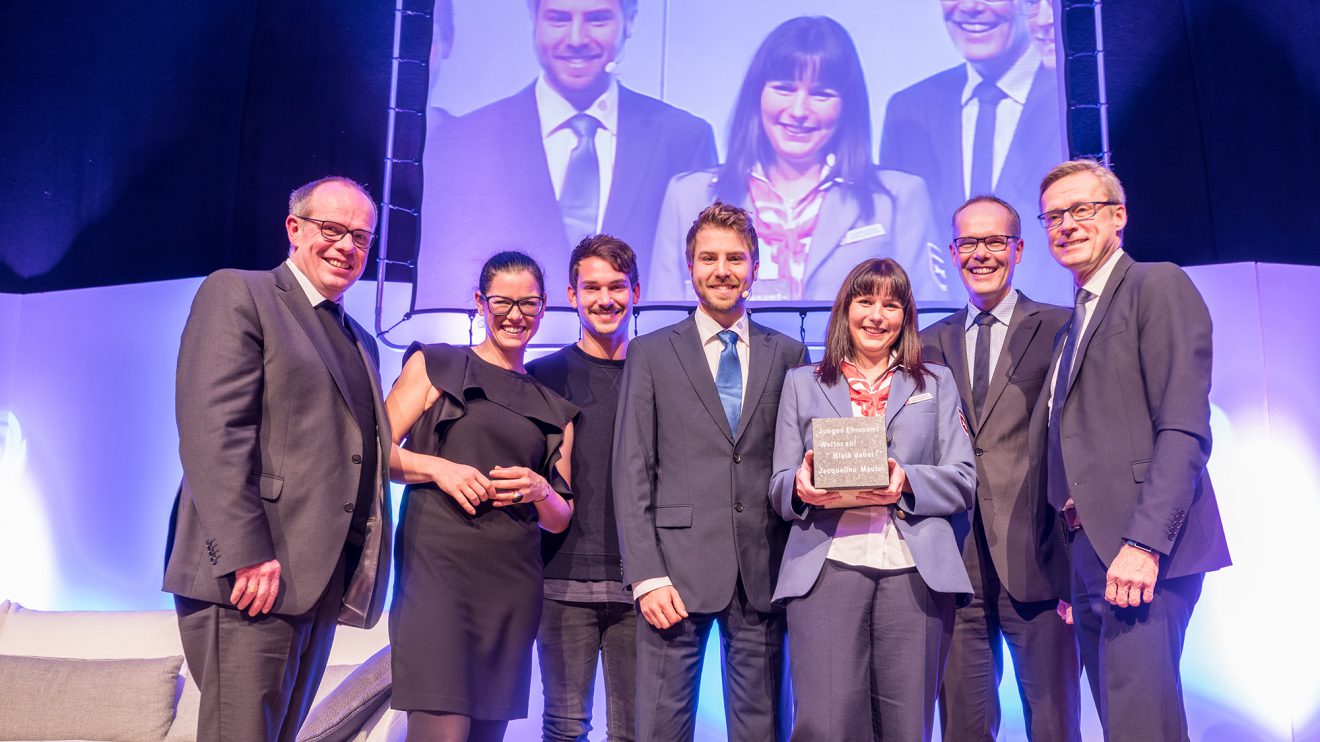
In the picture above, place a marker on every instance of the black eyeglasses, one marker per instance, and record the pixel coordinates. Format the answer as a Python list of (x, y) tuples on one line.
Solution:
[(334, 232), (1081, 212), (528, 306), (992, 242)]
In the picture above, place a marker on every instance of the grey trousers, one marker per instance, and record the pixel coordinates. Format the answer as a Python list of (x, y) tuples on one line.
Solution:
[(867, 648), (257, 676), (1044, 653)]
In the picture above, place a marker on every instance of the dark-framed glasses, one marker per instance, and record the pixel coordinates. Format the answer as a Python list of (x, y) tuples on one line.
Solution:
[(1081, 212), (334, 232), (992, 242), (528, 306)]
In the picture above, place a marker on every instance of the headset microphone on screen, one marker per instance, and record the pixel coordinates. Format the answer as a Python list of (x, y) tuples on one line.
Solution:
[(611, 66)]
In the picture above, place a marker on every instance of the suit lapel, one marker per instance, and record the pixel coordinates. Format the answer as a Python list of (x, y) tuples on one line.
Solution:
[(900, 388), (1022, 327), (946, 132), (524, 153), (305, 314), (759, 357), (632, 162), (838, 397), (953, 342), (837, 215), (1098, 317), (687, 346), (1029, 147)]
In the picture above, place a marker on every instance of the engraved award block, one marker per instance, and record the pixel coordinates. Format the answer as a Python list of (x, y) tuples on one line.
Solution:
[(849, 456)]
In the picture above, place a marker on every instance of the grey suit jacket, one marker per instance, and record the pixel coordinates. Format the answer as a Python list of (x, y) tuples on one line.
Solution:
[(689, 493), (270, 450), (925, 437), (901, 228), (1020, 533), (1135, 426)]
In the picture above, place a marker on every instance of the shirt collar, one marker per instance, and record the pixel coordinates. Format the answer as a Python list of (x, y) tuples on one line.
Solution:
[(1096, 283), (1003, 311), (1016, 82), (555, 111), (313, 296), (708, 328), (827, 176)]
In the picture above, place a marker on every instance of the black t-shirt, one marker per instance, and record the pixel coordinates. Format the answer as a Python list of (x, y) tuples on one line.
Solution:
[(589, 549)]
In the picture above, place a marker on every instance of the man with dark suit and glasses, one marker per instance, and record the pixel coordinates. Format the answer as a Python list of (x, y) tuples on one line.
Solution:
[(1124, 426), (573, 154), (692, 461), (281, 527), (998, 348)]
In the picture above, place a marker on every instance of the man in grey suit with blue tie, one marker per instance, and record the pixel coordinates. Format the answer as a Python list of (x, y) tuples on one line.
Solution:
[(281, 526), (693, 442), (998, 348), (1125, 430)]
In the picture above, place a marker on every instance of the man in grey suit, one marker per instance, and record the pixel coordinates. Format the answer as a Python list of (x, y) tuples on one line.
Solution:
[(998, 348), (281, 526), (692, 447), (1125, 430)]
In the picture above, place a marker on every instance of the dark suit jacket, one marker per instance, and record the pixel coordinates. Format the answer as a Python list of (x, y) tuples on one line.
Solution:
[(1135, 426), (488, 189), (689, 493), (923, 135), (271, 452), (926, 440), (1019, 530), (901, 227)]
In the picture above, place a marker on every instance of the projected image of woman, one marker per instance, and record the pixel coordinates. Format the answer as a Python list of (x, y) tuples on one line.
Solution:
[(870, 589), (799, 158), (485, 449)]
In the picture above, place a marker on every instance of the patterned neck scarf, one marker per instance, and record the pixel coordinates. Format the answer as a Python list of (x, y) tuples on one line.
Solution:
[(869, 397), (786, 227)]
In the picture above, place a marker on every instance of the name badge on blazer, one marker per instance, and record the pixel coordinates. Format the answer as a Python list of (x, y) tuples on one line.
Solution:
[(915, 398), (863, 233)]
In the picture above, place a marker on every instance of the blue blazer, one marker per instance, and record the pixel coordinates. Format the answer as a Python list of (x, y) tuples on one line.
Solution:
[(925, 436)]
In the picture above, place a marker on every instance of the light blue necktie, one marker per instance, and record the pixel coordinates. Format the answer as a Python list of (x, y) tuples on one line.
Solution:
[(728, 379), (579, 199)]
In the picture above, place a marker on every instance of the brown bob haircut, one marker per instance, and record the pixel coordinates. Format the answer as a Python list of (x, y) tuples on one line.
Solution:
[(873, 277)]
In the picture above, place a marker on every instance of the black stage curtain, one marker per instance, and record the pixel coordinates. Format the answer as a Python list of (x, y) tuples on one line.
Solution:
[(145, 141), (1215, 127)]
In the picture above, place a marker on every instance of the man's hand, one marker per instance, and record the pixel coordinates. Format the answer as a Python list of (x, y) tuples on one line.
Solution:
[(803, 488), (662, 607), (1064, 609), (1131, 578), (256, 586)]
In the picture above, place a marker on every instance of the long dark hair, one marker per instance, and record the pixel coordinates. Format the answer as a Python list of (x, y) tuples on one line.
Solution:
[(806, 47), (879, 277)]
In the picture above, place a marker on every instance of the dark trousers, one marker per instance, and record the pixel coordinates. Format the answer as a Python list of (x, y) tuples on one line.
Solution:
[(1132, 655), (257, 676), (570, 638), (867, 648), (669, 673), (1044, 653)]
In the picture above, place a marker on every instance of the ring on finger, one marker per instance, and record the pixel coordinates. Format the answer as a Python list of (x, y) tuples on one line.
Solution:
[(517, 497)]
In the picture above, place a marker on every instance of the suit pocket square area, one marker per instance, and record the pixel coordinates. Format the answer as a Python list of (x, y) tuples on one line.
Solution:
[(857, 234), (915, 398), (673, 516)]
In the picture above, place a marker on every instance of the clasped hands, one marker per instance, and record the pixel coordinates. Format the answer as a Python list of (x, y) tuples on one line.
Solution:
[(809, 494), (503, 486)]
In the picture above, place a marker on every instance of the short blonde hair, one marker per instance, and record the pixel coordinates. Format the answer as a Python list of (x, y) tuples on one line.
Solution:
[(1113, 188)]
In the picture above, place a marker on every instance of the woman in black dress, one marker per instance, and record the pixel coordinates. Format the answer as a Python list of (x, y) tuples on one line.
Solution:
[(485, 449)]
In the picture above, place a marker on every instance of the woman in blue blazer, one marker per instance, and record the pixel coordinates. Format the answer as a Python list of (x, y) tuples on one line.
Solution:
[(871, 590)]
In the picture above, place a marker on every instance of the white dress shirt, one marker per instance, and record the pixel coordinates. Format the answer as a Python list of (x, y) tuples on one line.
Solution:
[(711, 345), (314, 297), (558, 140), (1016, 84), (1096, 286), (1002, 312)]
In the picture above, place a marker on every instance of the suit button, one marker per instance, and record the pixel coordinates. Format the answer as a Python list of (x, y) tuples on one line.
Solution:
[(978, 452), (737, 458), (348, 507), (357, 459), (737, 507), (902, 515)]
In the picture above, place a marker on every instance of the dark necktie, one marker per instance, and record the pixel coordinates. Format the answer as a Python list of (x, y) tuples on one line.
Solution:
[(1058, 478), (579, 199), (981, 365), (987, 95), (359, 397), (728, 379)]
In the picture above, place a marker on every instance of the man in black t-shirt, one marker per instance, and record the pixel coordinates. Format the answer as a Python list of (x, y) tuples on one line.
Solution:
[(587, 609)]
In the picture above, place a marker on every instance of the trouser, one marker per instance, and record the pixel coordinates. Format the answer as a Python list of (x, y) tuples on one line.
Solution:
[(570, 638)]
